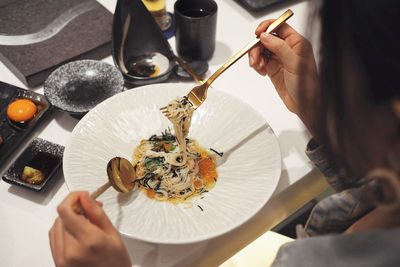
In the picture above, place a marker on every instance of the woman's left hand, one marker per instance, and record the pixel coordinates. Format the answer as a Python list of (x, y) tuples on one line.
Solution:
[(76, 240)]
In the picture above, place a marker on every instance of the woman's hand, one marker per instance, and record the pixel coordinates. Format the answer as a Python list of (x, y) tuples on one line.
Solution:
[(76, 240), (289, 61)]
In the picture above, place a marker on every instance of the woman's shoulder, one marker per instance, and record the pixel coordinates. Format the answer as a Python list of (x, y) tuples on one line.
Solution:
[(375, 248)]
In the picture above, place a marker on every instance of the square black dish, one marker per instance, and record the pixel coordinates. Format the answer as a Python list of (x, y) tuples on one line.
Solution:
[(40, 155), (12, 135)]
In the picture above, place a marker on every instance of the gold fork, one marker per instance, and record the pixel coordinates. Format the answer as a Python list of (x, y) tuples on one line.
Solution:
[(199, 93)]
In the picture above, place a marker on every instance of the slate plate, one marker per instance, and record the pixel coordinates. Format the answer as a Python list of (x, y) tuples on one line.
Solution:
[(13, 137), (79, 86), (40, 154), (37, 36)]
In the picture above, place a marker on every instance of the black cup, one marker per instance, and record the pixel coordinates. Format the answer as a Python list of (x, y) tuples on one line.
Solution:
[(195, 29)]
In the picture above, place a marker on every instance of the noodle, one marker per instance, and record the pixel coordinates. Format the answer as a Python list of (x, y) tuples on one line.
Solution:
[(174, 167)]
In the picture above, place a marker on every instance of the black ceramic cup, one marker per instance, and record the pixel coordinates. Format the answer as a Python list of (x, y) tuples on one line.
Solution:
[(195, 28)]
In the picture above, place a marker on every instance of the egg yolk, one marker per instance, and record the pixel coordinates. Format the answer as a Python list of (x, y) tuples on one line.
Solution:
[(21, 110)]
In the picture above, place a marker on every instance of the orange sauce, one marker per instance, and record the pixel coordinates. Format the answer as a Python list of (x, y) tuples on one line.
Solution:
[(151, 193), (156, 72)]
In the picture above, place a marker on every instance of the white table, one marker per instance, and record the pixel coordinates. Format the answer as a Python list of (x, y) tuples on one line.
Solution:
[(26, 216)]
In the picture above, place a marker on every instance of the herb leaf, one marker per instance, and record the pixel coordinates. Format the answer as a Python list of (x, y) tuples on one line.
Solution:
[(153, 162)]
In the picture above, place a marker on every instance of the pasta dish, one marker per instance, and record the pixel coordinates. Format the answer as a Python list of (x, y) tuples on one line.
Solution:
[(174, 167)]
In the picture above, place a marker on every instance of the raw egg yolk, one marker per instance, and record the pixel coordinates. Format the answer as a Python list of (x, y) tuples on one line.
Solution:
[(21, 110)]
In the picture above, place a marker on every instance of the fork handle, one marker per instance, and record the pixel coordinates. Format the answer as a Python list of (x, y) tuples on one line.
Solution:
[(274, 25)]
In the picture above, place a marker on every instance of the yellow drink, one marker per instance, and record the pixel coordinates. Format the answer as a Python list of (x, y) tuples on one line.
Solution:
[(160, 15), (154, 5)]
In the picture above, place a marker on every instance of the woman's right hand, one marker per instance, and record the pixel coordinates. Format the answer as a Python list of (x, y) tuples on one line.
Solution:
[(289, 62), (91, 240)]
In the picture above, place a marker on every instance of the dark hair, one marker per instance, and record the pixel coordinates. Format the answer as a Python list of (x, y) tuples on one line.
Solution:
[(359, 78)]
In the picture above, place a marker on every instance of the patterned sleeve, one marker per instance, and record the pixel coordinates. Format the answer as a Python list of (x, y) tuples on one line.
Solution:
[(337, 212), (375, 248), (335, 176)]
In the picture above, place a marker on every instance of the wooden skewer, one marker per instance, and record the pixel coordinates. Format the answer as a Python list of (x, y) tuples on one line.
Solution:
[(121, 176), (78, 207)]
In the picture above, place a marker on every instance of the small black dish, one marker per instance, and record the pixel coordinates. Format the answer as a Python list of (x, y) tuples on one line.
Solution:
[(42, 155), (12, 134), (139, 48), (79, 86), (42, 106)]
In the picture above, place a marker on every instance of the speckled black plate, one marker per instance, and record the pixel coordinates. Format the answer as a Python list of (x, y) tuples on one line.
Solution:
[(79, 86), (12, 135), (49, 167)]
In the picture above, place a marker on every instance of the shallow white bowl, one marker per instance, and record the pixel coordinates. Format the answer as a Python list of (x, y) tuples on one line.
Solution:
[(247, 177)]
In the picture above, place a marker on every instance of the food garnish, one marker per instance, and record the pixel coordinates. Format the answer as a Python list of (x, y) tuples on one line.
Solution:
[(39, 167), (32, 175)]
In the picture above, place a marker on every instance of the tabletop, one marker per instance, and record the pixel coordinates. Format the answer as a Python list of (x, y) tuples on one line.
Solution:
[(27, 216)]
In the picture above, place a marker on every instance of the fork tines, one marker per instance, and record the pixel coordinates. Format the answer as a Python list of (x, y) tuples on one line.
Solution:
[(165, 112)]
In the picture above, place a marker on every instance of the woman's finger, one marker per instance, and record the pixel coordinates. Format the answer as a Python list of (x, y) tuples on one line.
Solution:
[(73, 248), (284, 30), (254, 55), (263, 26), (262, 72), (77, 225), (273, 67), (96, 214), (57, 242), (263, 61), (280, 48), (52, 240)]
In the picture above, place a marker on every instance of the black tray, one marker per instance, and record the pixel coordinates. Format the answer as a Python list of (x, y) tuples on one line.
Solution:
[(50, 166), (13, 137)]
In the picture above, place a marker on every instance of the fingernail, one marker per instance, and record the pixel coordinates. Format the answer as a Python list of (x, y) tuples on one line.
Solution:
[(265, 37), (251, 61)]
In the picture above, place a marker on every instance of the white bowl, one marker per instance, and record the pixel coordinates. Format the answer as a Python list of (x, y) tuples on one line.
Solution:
[(115, 127)]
